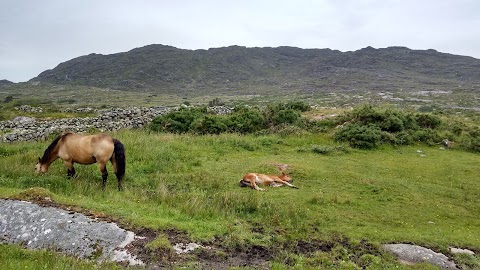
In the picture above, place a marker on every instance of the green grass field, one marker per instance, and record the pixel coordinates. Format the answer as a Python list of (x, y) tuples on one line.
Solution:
[(416, 194)]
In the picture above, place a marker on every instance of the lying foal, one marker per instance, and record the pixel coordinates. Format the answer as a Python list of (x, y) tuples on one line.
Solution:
[(254, 179)]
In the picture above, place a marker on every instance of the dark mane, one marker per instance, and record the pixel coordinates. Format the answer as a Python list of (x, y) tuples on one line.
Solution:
[(50, 148)]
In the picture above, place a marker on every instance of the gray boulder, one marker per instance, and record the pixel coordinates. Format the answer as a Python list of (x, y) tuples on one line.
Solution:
[(411, 254), (37, 227)]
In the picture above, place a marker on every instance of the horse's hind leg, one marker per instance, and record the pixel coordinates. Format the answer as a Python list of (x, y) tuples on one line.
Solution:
[(71, 172), (120, 188), (103, 170)]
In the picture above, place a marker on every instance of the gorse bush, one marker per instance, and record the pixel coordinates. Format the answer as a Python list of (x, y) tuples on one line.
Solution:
[(287, 116), (368, 127), (360, 136), (471, 140), (428, 121), (246, 120), (180, 121), (364, 127), (242, 120), (284, 113)]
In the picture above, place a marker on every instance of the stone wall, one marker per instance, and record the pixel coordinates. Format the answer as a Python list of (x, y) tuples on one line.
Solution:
[(28, 129)]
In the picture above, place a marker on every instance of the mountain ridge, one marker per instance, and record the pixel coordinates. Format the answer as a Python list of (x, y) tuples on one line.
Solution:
[(259, 70)]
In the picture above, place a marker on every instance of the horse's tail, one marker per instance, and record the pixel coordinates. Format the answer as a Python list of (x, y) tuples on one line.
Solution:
[(119, 156)]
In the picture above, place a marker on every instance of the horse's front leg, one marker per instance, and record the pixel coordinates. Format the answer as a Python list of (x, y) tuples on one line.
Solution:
[(70, 168), (103, 169)]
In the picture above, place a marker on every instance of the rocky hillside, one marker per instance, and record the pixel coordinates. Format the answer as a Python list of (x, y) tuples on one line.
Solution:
[(240, 70), (5, 83)]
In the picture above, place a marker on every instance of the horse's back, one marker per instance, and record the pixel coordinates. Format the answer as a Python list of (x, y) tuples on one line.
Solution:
[(101, 146), (87, 149)]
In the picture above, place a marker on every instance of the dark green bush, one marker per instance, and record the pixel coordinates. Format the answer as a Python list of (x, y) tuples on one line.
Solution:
[(285, 116), (397, 127), (298, 106), (281, 113), (427, 135), (457, 128), (246, 120), (392, 121), (211, 124), (241, 120), (403, 138), (179, 121), (471, 140), (366, 115), (360, 136), (8, 99), (428, 120)]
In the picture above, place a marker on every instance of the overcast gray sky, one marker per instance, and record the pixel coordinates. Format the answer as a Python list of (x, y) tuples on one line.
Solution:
[(36, 35)]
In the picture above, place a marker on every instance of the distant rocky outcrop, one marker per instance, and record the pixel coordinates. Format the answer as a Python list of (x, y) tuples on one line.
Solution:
[(240, 70), (5, 83)]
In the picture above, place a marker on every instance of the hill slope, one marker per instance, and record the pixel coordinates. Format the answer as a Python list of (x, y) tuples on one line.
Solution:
[(241, 70)]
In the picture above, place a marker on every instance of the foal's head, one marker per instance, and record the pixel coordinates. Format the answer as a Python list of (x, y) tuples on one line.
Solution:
[(282, 168)]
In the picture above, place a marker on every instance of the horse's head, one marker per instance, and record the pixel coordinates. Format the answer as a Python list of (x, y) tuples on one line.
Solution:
[(40, 168)]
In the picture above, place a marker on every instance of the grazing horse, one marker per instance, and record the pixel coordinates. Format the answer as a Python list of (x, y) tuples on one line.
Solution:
[(73, 148), (252, 179)]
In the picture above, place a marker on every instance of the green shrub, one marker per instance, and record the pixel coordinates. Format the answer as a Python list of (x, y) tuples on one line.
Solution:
[(471, 140), (360, 136), (286, 116), (246, 120), (179, 121), (8, 99), (428, 120), (427, 135), (396, 127), (298, 106), (280, 113), (392, 121), (242, 120), (366, 115), (457, 128), (211, 124), (403, 138)]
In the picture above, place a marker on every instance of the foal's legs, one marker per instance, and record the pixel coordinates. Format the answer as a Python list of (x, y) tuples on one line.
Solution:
[(70, 168), (285, 183), (103, 169)]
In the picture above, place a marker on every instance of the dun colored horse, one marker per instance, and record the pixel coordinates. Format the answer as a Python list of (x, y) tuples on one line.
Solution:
[(254, 179), (73, 148)]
